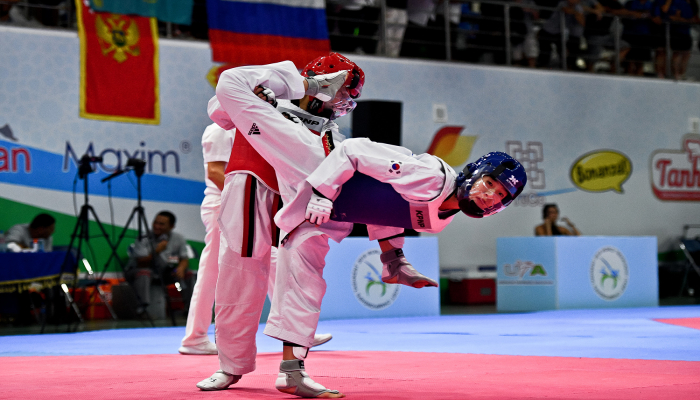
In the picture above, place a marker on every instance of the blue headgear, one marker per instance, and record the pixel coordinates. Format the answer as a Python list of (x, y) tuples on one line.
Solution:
[(499, 166)]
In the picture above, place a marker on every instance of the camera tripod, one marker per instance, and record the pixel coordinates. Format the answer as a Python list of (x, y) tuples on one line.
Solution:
[(138, 213), (81, 236)]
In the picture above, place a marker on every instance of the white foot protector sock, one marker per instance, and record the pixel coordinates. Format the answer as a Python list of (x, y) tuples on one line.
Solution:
[(205, 348), (293, 379), (321, 338), (219, 381), (397, 269)]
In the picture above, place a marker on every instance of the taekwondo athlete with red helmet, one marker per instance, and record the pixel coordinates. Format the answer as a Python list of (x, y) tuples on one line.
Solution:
[(249, 201), (295, 154), (308, 250)]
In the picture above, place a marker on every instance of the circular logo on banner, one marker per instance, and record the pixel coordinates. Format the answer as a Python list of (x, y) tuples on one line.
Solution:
[(609, 273), (367, 285)]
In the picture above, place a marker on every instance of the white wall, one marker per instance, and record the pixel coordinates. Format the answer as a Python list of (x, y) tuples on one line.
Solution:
[(569, 114)]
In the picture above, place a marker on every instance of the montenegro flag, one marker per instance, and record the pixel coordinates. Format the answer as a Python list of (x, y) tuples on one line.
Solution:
[(118, 67)]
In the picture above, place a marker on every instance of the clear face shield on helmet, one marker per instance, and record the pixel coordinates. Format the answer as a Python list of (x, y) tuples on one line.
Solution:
[(489, 196), (341, 104)]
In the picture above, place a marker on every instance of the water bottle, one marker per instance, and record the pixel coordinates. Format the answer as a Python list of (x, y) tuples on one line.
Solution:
[(41, 245), (3, 244), (35, 246)]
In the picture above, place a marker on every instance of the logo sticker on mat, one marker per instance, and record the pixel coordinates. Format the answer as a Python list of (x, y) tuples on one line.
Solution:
[(609, 273), (367, 285)]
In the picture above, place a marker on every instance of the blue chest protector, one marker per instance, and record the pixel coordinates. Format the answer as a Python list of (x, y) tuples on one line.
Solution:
[(365, 200)]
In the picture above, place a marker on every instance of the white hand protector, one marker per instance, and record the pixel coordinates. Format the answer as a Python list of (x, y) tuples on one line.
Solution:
[(267, 95), (324, 87), (319, 209)]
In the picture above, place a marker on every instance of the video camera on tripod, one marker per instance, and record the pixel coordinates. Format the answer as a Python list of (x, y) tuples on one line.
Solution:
[(132, 164), (85, 166), (80, 233)]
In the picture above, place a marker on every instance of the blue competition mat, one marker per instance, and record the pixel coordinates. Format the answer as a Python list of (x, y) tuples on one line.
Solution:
[(610, 333)]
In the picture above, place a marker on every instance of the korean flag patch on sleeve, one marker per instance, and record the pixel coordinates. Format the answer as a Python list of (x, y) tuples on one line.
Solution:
[(394, 167)]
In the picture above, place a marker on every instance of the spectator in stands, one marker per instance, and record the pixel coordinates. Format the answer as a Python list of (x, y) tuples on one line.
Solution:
[(423, 38), (21, 237), (680, 13), (17, 15), (637, 32), (163, 254), (523, 35), (47, 11), (490, 36), (550, 214), (550, 34), (600, 33), (353, 25), (5, 11)]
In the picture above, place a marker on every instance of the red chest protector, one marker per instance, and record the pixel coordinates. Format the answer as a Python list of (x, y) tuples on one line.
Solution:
[(244, 158)]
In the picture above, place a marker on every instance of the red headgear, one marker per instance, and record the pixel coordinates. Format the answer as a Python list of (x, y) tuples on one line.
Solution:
[(335, 62)]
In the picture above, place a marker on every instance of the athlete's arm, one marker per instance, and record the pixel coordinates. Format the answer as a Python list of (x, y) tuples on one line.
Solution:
[(216, 173)]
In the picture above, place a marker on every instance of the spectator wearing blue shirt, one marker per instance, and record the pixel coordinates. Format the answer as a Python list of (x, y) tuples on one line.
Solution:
[(550, 34), (637, 32), (680, 13)]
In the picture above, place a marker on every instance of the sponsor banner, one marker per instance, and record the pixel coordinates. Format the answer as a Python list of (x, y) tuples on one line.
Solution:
[(175, 11), (545, 120), (118, 67), (576, 272), (601, 170), (609, 273), (32, 167), (526, 275), (675, 174), (367, 285), (353, 275), (451, 146)]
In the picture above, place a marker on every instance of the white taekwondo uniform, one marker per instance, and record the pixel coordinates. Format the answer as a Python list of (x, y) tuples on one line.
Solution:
[(423, 181), (247, 260), (294, 152), (216, 146)]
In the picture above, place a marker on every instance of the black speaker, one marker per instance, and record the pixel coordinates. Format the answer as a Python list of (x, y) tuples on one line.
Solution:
[(379, 121)]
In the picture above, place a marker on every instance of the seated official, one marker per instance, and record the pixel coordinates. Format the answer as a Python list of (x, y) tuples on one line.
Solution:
[(161, 255), (550, 214), (21, 237)]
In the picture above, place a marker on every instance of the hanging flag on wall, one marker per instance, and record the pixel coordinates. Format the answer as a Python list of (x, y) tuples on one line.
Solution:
[(255, 32), (118, 67), (175, 11)]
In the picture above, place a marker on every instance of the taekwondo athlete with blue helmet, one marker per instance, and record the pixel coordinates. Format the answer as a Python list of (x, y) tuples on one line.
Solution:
[(367, 182), (295, 153)]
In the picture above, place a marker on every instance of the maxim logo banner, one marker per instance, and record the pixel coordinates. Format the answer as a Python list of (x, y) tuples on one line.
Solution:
[(675, 174)]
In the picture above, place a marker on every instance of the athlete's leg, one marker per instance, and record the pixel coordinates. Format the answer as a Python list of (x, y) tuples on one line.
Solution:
[(241, 290), (243, 276), (299, 289), (196, 340), (296, 306)]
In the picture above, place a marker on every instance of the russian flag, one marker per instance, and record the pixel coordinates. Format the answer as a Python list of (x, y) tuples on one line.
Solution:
[(256, 32)]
